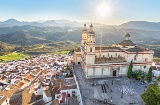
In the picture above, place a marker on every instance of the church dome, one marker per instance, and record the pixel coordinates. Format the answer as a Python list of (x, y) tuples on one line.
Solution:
[(127, 35)]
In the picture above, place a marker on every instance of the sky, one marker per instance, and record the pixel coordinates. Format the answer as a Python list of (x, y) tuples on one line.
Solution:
[(121, 11)]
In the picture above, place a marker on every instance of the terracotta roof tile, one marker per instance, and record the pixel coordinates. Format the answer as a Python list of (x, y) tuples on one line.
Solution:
[(29, 77), (21, 84), (107, 48), (127, 43), (137, 49)]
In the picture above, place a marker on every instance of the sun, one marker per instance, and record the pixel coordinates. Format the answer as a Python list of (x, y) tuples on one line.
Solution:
[(103, 10)]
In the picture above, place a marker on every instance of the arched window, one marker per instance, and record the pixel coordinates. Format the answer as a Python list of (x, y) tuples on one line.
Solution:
[(90, 49), (146, 59), (135, 57)]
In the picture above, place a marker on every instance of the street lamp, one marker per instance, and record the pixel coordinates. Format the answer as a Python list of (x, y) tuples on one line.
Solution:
[(122, 94)]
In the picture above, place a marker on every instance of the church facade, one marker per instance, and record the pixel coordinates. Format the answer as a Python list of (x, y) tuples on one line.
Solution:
[(106, 61)]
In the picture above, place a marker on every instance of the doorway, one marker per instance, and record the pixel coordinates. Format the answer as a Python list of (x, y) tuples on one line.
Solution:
[(114, 73), (78, 62)]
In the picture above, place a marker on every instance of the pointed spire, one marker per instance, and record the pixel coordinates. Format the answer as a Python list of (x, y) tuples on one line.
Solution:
[(85, 26), (91, 28)]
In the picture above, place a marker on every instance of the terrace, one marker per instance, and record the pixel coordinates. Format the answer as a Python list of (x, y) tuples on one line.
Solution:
[(110, 60)]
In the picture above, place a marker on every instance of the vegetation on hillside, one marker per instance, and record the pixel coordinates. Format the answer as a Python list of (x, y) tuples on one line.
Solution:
[(13, 56), (6, 48), (156, 59), (57, 47), (62, 52)]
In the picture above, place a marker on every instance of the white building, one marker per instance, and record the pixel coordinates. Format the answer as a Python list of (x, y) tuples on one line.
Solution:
[(107, 61)]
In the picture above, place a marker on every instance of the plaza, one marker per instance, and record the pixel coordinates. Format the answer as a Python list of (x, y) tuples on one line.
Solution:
[(111, 90)]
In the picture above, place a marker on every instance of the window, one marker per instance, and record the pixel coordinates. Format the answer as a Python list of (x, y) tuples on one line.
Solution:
[(146, 59), (108, 54), (90, 49), (145, 67), (91, 39), (73, 92), (111, 56), (103, 56), (116, 54), (135, 57)]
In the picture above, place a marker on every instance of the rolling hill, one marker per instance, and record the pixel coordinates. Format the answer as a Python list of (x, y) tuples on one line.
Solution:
[(49, 32)]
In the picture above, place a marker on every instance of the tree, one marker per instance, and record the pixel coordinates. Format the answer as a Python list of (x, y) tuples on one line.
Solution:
[(71, 73), (152, 95), (149, 75), (129, 73), (67, 75), (158, 79)]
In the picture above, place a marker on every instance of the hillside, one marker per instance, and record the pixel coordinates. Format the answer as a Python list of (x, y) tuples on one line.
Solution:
[(13, 56), (48, 47), (6, 48), (26, 34), (144, 25), (23, 38)]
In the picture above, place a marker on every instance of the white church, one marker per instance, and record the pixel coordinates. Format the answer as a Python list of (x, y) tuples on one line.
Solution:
[(107, 61)]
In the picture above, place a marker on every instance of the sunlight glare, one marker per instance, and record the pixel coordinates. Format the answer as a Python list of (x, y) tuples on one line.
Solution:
[(103, 10)]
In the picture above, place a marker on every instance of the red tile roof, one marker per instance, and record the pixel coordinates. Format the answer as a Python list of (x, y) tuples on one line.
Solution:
[(29, 77), (25, 75), (63, 97), (37, 70), (21, 84)]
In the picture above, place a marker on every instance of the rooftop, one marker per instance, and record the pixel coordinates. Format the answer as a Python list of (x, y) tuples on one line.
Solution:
[(127, 43), (137, 49), (110, 60), (107, 48), (78, 49)]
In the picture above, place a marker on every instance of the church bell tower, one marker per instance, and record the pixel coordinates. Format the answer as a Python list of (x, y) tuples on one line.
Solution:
[(90, 47), (84, 36)]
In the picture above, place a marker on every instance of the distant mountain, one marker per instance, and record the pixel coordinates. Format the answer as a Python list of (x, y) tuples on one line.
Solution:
[(43, 23), (28, 35), (144, 25), (22, 38), (49, 23), (13, 22), (23, 34)]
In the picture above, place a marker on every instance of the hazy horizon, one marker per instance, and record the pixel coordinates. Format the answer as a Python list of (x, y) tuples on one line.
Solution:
[(121, 11)]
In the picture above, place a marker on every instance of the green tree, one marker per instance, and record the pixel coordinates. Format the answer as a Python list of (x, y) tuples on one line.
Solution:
[(71, 73), (129, 73), (149, 75), (152, 95), (158, 79), (67, 75)]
